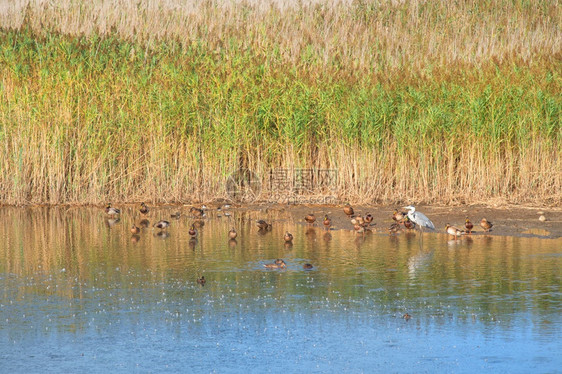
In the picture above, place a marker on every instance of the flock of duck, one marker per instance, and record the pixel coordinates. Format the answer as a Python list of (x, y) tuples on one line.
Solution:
[(409, 220)]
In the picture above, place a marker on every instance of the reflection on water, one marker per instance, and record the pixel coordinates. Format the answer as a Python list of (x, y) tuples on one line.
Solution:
[(80, 292)]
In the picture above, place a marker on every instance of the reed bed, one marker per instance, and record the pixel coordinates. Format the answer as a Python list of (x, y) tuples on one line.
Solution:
[(424, 101)]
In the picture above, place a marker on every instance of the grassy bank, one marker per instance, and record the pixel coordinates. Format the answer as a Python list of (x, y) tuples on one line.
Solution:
[(420, 102)]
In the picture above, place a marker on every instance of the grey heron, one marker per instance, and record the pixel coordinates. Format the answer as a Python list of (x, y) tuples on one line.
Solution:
[(419, 218)]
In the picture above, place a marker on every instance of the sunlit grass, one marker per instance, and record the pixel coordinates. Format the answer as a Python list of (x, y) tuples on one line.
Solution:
[(406, 104)]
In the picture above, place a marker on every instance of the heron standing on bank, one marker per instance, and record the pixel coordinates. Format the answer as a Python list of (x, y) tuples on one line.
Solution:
[(419, 218)]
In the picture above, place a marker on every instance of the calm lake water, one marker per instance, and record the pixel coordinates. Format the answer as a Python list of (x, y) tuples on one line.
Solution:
[(81, 294)]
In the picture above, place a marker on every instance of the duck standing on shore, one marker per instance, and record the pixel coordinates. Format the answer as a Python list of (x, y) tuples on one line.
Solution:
[(454, 231), (486, 225), (348, 210), (310, 219), (468, 225)]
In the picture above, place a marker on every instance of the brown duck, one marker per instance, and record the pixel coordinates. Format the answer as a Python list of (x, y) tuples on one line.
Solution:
[(288, 237), (144, 209), (486, 225), (408, 224), (278, 264), (468, 225), (162, 225), (347, 209), (453, 231), (398, 216), (263, 225), (192, 231), (111, 211), (394, 228), (310, 219)]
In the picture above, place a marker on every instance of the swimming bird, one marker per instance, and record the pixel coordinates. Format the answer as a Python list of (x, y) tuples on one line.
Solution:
[(406, 316), (263, 225), (468, 225), (278, 264), (369, 218), (135, 229), (310, 219), (192, 231), (347, 209), (327, 222), (197, 212), (144, 222), (201, 280), (162, 225), (454, 231), (307, 266), (288, 237), (232, 234), (111, 211), (419, 218), (144, 209), (486, 225)]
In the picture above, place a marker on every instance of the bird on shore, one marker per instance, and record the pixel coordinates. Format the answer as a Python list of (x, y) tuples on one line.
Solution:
[(288, 237), (419, 218), (162, 225), (348, 210), (135, 229), (144, 209), (327, 222), (192, 231), (486, 225), (232, 234), (278, 264), (263, 225), (310, 218), (394, 228), (453, 231), (468, 225), (201, 280), (307, 266), (359, 229), (111, 211), (398, 216), (408, 224)]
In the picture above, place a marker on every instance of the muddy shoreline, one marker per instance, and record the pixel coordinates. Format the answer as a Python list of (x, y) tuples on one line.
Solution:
[(508, 221)]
